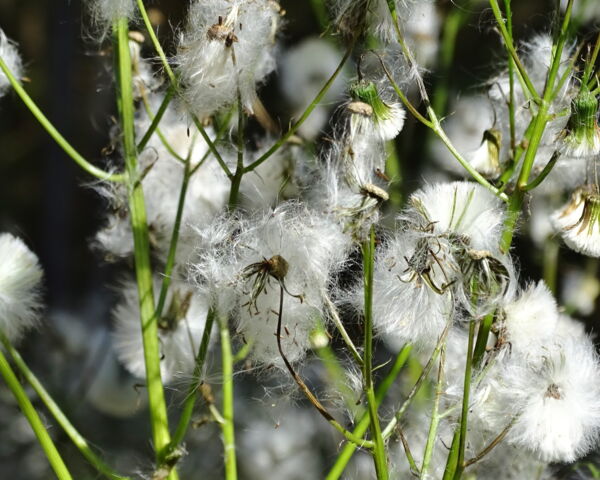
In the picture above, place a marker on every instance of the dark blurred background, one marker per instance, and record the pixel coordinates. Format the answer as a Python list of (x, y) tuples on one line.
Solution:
[(47, 200)]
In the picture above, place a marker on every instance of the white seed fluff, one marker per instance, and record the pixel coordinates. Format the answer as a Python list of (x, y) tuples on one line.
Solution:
[(12, 59), (20, 279), (179, 342)]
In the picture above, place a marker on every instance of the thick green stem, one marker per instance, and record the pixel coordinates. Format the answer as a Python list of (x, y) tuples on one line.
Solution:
[(34, 420), (143, 270), (227, 427), (363, 424), (483, 333), (78, 440), (379, 454), (58, 138)]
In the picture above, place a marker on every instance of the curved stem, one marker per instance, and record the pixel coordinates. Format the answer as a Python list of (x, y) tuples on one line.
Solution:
[(54, 133), (34, 420), (306, 391), (335, 318), (304, 115), (78, 440), (155, 118)]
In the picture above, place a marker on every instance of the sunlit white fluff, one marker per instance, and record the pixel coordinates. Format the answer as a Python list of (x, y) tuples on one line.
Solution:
[(531, 319), (231, 250), (462, 208), (20, 282), (180, 330), (162, 178), (552, 395), (12, 59), (106, 12), (217, 31), (143, 78)]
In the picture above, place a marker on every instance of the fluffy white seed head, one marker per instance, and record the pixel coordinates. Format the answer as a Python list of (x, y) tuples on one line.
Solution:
[(578, 222), (406, 309), (180, 330), (247, 262), (462, 208), (531, 319), (552, 395), (227, 45), (20, 279), (12, 59)]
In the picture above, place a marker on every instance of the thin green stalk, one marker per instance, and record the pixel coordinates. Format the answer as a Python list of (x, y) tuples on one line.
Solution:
[(143, 270), (379, 454), (335, 318), (227, 427), (58, 138), (483, 333), (34, 420), (389, 429), (304, 115), (166, 282), (190, 401), (511, 82), (508, 43), (434, 123), (158, 131), (452, 460), (78, 440), (156, 118), (465, 405), (435, 417), (363, 424)]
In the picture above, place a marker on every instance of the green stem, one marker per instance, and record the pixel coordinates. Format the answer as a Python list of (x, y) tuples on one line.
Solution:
[(435, 417), (379, 454), (58, 138), (34, 420), (143, 270), (78, 440), (363, 424), (335, 318), (304, 115), (166, 283), (389, 429), (511, 83), (465, 405), (156, 118), (508, 43), (190, 401), (485, 326), (227, 427)]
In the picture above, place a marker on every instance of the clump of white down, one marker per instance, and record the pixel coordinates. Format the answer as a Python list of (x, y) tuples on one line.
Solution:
[(105, 13), (180, 330), (12, 59), (551, 395), (20, 279), (162, 175), (232, 252), (227, 45)]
